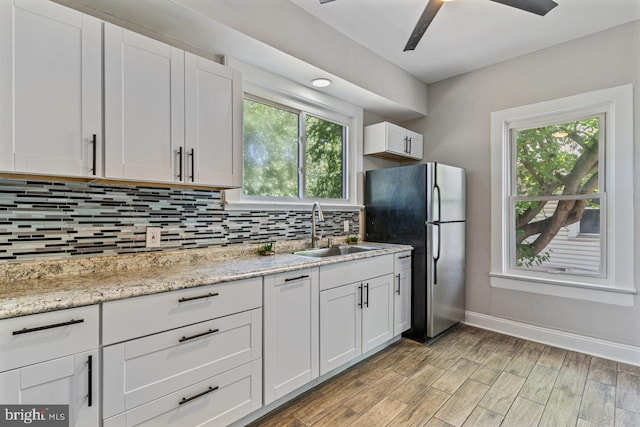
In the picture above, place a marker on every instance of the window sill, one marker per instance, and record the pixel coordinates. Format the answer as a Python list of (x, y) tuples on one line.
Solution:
[(564, 288), (302, 206)]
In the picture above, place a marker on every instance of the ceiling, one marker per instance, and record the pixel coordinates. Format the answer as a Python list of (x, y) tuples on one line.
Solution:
[(465, 34), (358, 43)]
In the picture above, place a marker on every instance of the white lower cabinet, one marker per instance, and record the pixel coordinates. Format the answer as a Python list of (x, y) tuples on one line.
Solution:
[(52, 358), (402, 293), (354, 317), (201, 366), (291, 332), (70, 380)]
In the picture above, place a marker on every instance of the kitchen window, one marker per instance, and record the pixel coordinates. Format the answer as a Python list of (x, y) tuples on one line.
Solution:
[(291, 153), (562, 205)]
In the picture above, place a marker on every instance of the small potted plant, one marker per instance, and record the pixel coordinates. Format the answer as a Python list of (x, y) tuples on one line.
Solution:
[(267, 249), (353, 240)]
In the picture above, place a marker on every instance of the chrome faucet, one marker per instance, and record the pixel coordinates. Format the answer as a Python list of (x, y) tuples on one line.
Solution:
[(315, 239)]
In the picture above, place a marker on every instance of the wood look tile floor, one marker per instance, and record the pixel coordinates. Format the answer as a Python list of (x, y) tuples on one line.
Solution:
[(471, 377)]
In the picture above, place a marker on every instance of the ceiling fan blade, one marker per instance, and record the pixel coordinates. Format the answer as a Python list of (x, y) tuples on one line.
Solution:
[(539, 7), (423, 23)]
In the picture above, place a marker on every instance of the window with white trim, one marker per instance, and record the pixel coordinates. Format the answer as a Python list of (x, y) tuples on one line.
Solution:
[(562, 211), (292, 154)]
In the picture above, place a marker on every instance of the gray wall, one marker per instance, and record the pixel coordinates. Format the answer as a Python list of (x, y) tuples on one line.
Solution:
[(457, 131)]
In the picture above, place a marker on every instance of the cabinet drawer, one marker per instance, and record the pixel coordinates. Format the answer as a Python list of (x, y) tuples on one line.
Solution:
[(235, 393), (39, 337), (402, 261), (343, 273), (141, 370), (135, 317)]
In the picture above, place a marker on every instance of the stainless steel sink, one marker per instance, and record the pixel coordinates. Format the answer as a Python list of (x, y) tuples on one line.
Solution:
[(334, 251)]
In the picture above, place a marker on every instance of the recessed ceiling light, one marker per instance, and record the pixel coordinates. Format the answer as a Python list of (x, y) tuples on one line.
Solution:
[(321, 82)]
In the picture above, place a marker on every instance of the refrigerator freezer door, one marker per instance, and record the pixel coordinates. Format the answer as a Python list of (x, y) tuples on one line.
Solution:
[(446, 281), (449, 194)]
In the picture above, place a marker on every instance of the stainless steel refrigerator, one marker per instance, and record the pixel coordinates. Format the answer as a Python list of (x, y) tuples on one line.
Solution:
[(424, 206)]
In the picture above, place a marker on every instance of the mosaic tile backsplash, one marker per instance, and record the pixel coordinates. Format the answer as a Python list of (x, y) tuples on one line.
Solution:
[(54, 220)]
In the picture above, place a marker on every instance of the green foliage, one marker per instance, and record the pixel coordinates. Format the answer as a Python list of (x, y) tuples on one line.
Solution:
[(557, 160), (324, 158), (271, 160), (270, 151), (545, 159)]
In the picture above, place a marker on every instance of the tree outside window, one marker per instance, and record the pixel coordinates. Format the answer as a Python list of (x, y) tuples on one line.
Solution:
[(292, 154), (556, 176)]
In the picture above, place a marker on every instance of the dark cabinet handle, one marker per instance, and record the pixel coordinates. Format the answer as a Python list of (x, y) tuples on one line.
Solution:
[(360, 295), (398, 290), (406, 143), (189, 399), (209, 332), (404, 256), (179, 163), (292, 279), (366, 303), (90, 380), (42, 328), (409, 152), (94, 143), (210, 294), (193, 164)]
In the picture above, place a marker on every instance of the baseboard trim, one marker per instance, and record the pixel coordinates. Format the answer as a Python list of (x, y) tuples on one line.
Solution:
[(569, 341)]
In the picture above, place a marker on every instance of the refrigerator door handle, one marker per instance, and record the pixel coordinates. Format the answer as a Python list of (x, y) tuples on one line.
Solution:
[(436, 203), (436, 252)]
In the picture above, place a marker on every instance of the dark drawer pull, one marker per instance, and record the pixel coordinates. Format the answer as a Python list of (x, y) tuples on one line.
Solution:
[(42, 328), (210, 294), (404, 256), (291, 279), (209, 332), (189, 399)]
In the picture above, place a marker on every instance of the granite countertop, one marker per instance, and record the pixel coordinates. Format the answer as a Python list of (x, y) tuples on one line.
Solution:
[(38, 287)]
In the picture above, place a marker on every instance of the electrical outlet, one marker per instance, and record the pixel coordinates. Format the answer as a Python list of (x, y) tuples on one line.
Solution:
[(346, 225), (153, 237)]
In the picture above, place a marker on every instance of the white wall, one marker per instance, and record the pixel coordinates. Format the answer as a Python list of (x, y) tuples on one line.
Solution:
[(457, 131)]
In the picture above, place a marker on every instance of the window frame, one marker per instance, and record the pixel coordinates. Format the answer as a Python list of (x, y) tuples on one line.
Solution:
[(297, 98), (617, 285)]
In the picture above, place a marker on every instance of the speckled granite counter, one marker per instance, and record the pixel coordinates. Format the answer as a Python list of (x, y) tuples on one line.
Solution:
[(30, 288)]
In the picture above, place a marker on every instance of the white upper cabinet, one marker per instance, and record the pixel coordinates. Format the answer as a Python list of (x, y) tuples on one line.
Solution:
[(170, 116), (213, 123), (144, 107), (388, 140), (50, 80)]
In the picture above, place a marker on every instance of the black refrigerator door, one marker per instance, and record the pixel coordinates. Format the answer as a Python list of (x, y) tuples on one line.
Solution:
[(395, 205)]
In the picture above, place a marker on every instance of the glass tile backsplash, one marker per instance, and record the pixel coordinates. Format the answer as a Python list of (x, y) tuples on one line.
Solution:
[(54, 220)]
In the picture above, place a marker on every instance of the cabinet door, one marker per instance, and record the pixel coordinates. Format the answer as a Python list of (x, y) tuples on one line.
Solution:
[(291, 332), (70, 380), (50, 78), (213, 120), (402, 295), (396, 139), (340, 326), (144, 107), (377, 312), (415, 145)]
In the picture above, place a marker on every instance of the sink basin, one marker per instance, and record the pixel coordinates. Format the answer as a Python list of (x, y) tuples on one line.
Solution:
[(335, 251)]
